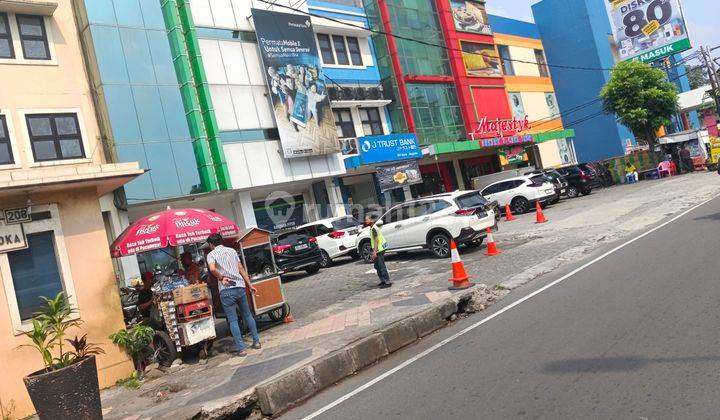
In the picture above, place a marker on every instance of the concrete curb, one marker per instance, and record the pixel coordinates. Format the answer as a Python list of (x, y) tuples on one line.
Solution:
[(286, 391)]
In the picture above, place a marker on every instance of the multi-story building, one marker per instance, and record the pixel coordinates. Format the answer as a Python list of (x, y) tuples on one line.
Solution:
[(56, 196)]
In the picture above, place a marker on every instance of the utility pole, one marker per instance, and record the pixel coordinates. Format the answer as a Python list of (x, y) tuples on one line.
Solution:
[(712, 73)]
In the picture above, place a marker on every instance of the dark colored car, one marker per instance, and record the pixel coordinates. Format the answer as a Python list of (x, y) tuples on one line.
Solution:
[(296, 251), (555, 178), (601, 171), (477, 201), (579, 181)]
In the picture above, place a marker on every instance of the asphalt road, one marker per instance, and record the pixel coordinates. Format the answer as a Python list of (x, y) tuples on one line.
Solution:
[(635, 334)]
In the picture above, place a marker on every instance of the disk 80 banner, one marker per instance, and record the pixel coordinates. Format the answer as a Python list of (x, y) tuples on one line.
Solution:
[(648, 30)]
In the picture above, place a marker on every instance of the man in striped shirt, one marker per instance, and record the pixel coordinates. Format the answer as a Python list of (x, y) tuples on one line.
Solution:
[(225, 265)]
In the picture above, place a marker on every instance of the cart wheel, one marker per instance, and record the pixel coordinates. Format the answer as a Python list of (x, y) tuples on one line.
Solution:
[(280, 313), (164, 348)]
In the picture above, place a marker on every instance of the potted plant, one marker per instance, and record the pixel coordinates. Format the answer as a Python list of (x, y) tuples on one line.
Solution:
[(67, 386)]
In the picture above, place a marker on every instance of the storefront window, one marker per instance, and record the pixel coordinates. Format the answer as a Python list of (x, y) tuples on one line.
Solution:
[(280, 214), (506, 61), (542, 63), (372, 124), (35, 273), (437, 114)]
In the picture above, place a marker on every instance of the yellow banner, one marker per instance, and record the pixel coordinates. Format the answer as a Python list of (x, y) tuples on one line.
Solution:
[(651, 27)]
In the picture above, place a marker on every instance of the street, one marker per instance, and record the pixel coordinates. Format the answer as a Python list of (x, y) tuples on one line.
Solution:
[(630, 334)]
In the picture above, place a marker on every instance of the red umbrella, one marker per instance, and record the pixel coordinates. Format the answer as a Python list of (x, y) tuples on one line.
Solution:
[(171, 227)]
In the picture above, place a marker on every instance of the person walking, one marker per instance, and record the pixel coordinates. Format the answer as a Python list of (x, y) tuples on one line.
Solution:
[(225, 265), (379, 245)]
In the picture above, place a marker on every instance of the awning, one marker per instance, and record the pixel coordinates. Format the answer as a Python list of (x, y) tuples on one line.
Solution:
[(695, 99), (33, 7), (681, 137)]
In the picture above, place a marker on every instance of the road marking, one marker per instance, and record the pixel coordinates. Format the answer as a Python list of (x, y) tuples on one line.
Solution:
[(496, 314)]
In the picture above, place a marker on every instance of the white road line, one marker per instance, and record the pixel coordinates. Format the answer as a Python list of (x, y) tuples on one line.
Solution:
[(498, 313)]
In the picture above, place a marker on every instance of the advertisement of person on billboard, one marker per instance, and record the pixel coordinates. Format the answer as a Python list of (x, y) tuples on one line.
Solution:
[(470, 16), (648, 30), (296, 82)]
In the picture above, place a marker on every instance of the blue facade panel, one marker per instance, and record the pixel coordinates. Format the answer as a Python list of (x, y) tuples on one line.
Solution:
[(503, 25), (138, 84)]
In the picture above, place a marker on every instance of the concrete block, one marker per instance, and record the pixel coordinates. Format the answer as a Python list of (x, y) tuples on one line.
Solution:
[(427, 321), (282, 393), (399, 335), (334, 367), (368, 350), (447, 308)]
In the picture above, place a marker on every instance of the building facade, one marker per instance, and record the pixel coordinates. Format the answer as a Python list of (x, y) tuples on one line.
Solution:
[(56, 189)]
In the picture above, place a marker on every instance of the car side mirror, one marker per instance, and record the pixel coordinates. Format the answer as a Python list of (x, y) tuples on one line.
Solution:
[(379, 223)]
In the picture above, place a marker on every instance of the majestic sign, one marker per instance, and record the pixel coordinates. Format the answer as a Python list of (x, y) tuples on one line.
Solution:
[(506, 141), (398, 175), (470, 16), (297, 84), (375, 149), (648, 30), (499, 128), (18, 215), (12, 238)]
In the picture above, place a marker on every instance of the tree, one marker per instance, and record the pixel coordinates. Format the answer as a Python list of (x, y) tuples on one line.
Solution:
[(642, 99), (697, 76)]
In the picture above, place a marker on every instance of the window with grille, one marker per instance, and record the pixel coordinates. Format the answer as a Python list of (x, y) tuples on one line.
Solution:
[(55, 136)]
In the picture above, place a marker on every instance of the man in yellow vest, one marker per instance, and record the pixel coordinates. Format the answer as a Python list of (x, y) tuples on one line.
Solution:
[(379, 245)]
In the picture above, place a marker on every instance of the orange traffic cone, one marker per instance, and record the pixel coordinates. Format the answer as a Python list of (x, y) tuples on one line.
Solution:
[(460, 278), (508, 214), (540, 217), (288, 318), (491, 246)]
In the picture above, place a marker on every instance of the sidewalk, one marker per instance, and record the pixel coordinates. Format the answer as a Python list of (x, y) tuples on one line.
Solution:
[(224, 385)]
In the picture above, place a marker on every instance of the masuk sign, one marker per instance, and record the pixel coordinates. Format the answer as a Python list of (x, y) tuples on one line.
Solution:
[(499, 128)]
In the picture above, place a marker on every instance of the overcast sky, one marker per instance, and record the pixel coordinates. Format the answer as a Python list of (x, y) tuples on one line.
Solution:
[(702, 18)]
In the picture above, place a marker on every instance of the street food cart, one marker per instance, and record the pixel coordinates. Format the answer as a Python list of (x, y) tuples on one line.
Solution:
[(181, 313), (255, 250)]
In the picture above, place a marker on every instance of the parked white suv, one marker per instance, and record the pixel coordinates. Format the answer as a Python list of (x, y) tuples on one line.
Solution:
[(521, 193), (335, 237), (430, 222)]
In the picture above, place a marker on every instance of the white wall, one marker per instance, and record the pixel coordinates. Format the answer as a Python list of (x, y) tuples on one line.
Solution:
[(535, 105), (526, 68), (233, 14)]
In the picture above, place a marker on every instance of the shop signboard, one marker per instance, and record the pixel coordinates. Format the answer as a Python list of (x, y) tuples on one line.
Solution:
[(388, 148), (398, 175), (506, 141), (296, 82), (512, 155), (12, 238), (470, 16), (279, 211), (648, 30), (499, 128), (714, 149)]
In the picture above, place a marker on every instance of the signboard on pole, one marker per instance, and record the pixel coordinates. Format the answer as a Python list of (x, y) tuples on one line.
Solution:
[(398, 175), (296, 82), (648, 30)]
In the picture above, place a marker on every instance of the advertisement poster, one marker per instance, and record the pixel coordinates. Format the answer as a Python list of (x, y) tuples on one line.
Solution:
[(648, 30), (398, 175), (516, 104), (470, 16), (296, 82), (512, 155), (481, 59), (552, 105), (714, 149)]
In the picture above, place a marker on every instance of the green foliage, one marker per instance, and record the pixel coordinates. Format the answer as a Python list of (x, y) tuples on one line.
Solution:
[(49, 329), (131, 382), (697, 76), (135, 341), (641, 98)]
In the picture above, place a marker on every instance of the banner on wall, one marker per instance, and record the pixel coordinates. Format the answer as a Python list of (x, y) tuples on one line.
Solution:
[(648, 30), (481, 60), (295, 78), (470, 16), (398, 175), (512, 155)]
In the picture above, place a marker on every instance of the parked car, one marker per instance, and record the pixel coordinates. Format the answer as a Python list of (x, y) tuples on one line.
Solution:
[(335, 237), (579, 181), (521, 193), (431, 222), (553, 177), (600, 170), (296, 251)]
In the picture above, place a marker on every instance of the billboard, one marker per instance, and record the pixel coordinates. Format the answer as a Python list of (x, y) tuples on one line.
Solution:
[(398, 175), (375, 149), (648, 30), (481, 60), (297, 86), (470, 16)]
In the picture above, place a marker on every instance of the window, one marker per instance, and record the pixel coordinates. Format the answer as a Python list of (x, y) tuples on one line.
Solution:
[(371, 122), (35, 273), (55, 136), (354, 50), (33, 37), (6, 155), (542, 63), (321, 230), (345, 223), (6, 45), (344, 123), (326, 49), (340, 50), (506, 61)]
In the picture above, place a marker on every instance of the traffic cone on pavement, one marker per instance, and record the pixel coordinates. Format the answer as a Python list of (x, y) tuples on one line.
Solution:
[(491, 246), (508, 214), (460, 278), (288, 318), (540, 217)]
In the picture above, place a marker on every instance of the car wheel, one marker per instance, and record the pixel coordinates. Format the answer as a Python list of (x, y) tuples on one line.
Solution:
[(586, 192), (313, 269), (474, 244), (366, 252), (572, 192), (520, 205), (439, 244), (325, 260)]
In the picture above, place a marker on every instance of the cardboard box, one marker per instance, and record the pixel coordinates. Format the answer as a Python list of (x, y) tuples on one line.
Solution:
[(190, 294), (197, 331)]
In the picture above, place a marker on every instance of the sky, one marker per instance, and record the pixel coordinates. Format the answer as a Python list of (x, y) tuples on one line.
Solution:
[(701, 18)]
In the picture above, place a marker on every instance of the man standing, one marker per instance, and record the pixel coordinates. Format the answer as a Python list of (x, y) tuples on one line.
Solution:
[(225, 265), (378, 244)]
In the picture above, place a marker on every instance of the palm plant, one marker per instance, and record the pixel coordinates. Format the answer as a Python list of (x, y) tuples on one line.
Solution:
[(136, 342)]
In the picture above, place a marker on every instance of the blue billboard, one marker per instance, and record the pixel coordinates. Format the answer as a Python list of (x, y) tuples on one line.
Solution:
[(388, 148)]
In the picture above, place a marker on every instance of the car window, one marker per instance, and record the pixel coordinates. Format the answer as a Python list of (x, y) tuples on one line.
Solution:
[(321, 230), (392, 216), (345, 223), (438, 205), (471, 201), (490, 190)]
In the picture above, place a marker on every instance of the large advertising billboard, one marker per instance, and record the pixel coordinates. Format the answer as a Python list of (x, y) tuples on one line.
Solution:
[(470, 16), (296, 82), (648, 30)]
